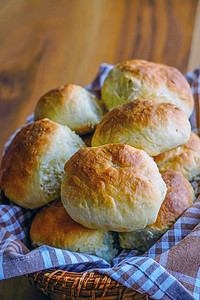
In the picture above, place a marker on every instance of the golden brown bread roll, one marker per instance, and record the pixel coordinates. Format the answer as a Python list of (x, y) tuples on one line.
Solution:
[(113, 187), (134, 79), (144, 124), (53, 226), (33, 164), (184, 159), (179, 197), (71, 105)]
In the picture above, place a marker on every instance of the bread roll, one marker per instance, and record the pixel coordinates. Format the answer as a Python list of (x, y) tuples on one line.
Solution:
[(113, 187), (71, 105), (53, 226), (134, 79), (33, 165), (144, 124), (184, 159), (179, 197)]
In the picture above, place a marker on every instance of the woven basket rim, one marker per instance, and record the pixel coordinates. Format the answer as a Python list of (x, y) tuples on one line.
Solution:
[(74, 285), (71, 276)]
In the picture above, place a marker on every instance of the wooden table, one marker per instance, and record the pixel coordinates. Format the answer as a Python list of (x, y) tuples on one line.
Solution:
[(44, 44)]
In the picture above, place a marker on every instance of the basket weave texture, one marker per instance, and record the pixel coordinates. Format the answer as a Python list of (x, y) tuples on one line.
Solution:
[(63, 285)]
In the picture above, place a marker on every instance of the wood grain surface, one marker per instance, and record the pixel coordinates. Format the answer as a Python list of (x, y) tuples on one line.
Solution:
[(44, 44), (47, 43), (194, 57)]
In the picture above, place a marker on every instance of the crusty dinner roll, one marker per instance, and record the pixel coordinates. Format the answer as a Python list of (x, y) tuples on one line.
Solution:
[(33, 164), (184, 159), (53, 226), (71, 105), (113, 187), (179, 197), (133, 79), (144, 124)]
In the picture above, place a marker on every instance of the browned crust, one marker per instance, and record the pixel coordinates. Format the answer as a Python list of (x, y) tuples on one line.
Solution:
[(98, 172), (84, 130), (184, 152), (86, 161), (53, 102), (184, 159), (107, 180), (143, 111), (179, 197), (22, 155), (63, 228), (139, 113), (157, 75), (58, 95)]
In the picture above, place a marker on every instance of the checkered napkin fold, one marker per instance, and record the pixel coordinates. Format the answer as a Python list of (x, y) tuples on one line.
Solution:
[(169, 270)]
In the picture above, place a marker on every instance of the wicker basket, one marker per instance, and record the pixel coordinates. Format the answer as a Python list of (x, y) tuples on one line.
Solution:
[(60, 284)]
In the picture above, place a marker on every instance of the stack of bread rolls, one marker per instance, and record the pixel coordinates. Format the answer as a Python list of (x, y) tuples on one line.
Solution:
[(127, 187)]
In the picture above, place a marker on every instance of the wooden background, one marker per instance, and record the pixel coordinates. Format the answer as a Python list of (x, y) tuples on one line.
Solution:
[(46, 43)]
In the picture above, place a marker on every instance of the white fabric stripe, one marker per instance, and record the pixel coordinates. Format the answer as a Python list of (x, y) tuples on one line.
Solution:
[(17, 246), (146, 264), (163, 258), (197, 284), (60, 257), (196, 296), (167, 283), (6, 242), (195, 233), (1, 268), (158, 295), (147, 285), (184, 278), (156, 274), (194, 220), (177, 233), (46, 257)]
